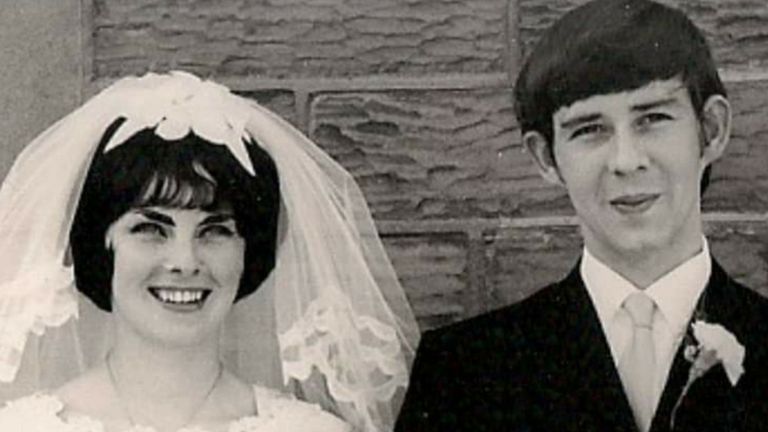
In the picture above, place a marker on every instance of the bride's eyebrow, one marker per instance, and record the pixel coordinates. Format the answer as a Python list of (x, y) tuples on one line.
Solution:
[(218, 218), (156, 216)]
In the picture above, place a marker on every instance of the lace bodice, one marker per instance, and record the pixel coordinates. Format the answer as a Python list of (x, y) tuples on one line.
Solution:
[(41, 412)]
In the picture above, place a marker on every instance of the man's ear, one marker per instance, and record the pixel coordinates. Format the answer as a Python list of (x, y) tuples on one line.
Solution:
[(716, 127), (538, 147)]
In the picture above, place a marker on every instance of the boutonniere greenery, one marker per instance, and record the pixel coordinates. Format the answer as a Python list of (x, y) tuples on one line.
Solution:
[(710, 345)]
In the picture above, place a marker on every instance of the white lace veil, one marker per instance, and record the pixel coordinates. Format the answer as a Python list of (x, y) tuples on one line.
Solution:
[(331, 322)]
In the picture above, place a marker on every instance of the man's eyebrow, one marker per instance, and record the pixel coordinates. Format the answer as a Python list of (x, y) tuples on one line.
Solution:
[(645, 106), (156, 216), (578, 120)]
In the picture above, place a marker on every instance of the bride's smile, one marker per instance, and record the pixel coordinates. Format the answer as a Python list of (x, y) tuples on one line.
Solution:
[(176, 271), (193, 233)]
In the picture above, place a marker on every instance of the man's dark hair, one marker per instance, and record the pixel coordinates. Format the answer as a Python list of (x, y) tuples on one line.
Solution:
[(188, 173), (610, 46)]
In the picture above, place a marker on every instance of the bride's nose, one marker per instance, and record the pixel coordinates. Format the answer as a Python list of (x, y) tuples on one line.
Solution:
[(182, 257)]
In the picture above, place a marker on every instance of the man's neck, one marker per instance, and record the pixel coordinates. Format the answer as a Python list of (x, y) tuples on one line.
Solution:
[(644, 267)]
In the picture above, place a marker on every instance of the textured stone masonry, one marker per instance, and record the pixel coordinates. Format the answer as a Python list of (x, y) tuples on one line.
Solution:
[(414, 98), (452, 154), (281, 102), (431, 154), (737, 30), (433, 269), (740, 178), (290, 38), (41, 70), (742, 249), (522, 260)]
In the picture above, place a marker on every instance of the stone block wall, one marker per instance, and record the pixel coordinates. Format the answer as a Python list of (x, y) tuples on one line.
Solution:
[(41, 74), (414, 98)]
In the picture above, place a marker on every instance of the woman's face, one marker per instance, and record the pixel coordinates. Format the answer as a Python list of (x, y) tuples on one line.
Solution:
[(176, 272)]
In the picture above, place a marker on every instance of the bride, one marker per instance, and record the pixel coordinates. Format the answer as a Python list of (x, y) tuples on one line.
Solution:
[(225, 274)]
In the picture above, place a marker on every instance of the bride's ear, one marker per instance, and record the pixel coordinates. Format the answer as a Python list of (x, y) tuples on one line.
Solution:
[(543, 155)]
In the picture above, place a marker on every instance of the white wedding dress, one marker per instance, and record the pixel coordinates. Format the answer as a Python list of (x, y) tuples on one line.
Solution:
[(277, 412)]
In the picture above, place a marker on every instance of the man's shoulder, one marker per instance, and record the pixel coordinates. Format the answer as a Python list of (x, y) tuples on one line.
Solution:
[(750, 297), (740, 309), (745, 301), (748, 306), (501, 325)]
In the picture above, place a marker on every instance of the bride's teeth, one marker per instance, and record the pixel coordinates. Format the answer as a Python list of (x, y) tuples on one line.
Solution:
[(179, 296), (164, 295)]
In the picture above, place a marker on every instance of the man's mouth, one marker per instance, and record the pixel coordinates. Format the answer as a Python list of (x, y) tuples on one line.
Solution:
[(188, 298), (634, 203)]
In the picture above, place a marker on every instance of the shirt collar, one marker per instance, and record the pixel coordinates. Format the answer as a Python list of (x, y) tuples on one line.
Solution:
[(675, 293)]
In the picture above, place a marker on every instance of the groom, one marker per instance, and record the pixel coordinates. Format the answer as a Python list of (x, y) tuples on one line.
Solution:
[(621, 104)]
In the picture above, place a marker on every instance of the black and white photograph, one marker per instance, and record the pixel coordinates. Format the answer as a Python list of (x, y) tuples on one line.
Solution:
[(383, 215)]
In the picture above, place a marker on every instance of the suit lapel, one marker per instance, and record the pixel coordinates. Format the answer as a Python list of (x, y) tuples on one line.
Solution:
[(678, 376), (582, 386), (710, 403), (595, 393)]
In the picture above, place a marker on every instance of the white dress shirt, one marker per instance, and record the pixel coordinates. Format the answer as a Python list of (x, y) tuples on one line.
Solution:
[(675, 295)]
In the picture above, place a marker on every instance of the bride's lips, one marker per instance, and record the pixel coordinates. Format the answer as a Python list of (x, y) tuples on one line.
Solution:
[(180, 299), (634, 203)]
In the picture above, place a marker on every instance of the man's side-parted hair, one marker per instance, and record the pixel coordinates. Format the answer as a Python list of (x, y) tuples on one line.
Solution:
[(188, 173), (610, 46)]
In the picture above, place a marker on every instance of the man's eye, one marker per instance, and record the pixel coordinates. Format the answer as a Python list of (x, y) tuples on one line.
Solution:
[(653, 118), (587, 130), (149, 229)]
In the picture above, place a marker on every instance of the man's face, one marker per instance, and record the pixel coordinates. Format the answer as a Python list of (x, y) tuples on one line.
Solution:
[(632, 162)]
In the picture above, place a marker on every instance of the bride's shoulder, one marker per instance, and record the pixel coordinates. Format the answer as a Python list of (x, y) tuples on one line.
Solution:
[(48, 411), (285, 412), (39, 411), (87, 393)]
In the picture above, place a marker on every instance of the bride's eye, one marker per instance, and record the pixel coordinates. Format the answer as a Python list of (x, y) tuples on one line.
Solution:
[(217, 231), (149, 229)]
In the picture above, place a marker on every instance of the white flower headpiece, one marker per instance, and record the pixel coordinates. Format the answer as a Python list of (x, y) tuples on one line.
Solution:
[(183, 103), (332, 318)]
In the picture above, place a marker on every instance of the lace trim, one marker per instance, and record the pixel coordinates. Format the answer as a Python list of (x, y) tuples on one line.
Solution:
[(42, 413), (361, 358), (28, 304)]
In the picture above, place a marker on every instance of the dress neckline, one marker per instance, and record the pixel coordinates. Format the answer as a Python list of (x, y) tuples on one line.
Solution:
[(261, 403)]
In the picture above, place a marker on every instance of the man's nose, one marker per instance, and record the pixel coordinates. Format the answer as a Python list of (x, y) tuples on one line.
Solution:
[(182, 257), (628, 153)]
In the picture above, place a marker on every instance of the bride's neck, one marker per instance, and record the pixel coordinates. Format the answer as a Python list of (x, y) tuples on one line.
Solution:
[(167, 387), (151, 370)]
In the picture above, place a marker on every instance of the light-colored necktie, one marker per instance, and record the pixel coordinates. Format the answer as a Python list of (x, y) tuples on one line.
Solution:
[(638, 363)]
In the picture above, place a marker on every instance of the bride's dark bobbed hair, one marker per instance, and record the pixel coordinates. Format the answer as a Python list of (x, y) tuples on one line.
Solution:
[(190, 173)]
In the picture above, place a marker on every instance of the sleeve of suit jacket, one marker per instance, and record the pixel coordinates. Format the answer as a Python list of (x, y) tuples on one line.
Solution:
[(422, 405), (466, 377)]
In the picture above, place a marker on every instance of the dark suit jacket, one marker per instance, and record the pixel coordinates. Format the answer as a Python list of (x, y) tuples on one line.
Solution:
[(544, 365)]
